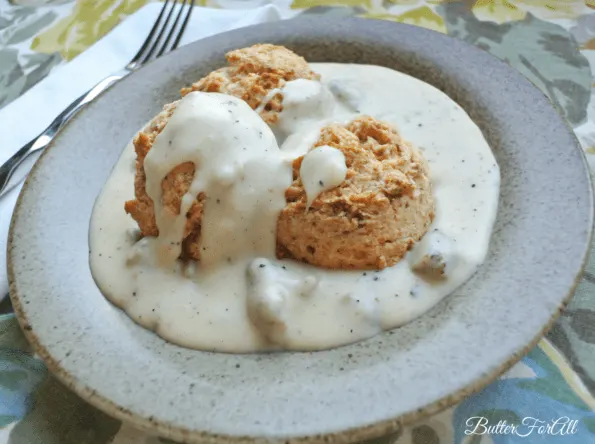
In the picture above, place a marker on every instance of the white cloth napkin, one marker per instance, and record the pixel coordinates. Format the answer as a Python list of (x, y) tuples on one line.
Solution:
[(30, 114)]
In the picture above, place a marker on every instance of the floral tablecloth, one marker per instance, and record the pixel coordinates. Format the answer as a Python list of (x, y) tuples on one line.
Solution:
[(552, 42)]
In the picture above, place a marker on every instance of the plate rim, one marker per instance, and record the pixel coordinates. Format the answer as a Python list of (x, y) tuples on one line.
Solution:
[(359, 433)]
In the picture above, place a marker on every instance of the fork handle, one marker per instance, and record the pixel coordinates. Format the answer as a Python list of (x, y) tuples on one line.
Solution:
[(9, 167)]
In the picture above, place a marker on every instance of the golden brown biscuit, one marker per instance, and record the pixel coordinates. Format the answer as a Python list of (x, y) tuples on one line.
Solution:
[(374, 217), (381, 209), (253, 73), (369, 221), (173, 187)]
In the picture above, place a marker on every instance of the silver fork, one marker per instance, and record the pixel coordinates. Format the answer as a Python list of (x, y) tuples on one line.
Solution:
[(156, 44)]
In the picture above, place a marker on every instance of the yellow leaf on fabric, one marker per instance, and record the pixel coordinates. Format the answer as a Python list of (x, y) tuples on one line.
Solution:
[(90, 20), (499, 11), (403, 2), (303, 4), (572, 379), (591, 150), (550, 9), (590, 3), (421, 2), (423, 17)]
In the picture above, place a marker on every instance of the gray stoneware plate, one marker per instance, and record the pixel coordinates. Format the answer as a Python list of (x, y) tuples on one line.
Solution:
[(538, 250)]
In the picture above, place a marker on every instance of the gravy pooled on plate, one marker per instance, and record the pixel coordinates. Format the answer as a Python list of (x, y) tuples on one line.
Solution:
[(283, 205)]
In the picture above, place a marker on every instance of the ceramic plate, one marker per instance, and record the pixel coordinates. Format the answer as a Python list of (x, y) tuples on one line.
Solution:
[(538, 250)]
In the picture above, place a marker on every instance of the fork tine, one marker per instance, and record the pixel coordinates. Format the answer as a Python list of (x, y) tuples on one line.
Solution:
[(183, 28), (148, 56), (172, 30), (147, 41)]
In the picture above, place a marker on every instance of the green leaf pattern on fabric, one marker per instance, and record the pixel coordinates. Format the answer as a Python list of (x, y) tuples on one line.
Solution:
[(583, 323), (15, 367), (423, 16), (39, 2), (20, 375), (302, 4), (18, 71), (329, 11), (89, 21), (6, 420), (61, 417), (20, 24), (569, 334), (554, 379), (16, 78), (543, 52), (590, 423), (12, 78)]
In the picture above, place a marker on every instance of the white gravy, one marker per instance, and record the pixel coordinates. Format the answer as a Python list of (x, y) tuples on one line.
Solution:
[(240, 298), (323, 168)]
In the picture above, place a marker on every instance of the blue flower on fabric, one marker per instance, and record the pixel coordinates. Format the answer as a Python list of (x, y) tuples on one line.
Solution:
[(20, 375), (527, 409)]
